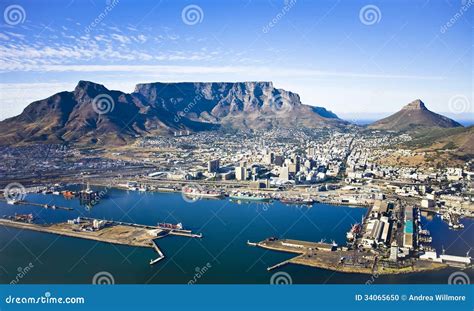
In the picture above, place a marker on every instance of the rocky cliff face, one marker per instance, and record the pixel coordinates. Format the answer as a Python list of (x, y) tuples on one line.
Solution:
[(250, 104), (92, 113)]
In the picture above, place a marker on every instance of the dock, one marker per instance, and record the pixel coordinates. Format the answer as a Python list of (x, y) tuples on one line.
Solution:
[(160, 254), (47, 206), (283, 263), (113, 232), (330, 257), (186, 234)]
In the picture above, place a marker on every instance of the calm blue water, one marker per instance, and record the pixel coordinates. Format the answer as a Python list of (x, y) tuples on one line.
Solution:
[(226, 227)]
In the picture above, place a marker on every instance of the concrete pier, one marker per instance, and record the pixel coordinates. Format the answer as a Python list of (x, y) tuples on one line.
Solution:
[(114, 232), (47, 206)]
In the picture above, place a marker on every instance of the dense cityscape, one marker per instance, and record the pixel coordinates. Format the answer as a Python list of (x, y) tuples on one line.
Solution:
[(295, 167)]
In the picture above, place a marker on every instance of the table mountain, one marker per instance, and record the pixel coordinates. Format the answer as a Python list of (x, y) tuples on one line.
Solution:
[(92, 113), (256, 105)]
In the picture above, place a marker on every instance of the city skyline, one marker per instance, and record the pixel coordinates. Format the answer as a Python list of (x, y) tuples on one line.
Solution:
[(394, 55)]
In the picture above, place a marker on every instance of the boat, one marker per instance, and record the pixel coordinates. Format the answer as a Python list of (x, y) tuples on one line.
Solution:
[(27, 218), (248, 197), (424, 232), (193, 192), (13, 201), (354, 232), (68, 194), (132, 186), (168, 226)]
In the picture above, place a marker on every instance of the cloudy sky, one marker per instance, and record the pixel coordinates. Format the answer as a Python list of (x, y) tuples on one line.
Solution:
[(356, 58)]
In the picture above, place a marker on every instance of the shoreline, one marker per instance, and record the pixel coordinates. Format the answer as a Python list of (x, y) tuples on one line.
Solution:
[(322, 256)]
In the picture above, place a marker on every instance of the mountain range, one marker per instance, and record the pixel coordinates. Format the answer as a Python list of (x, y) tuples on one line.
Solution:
[(94, 114)]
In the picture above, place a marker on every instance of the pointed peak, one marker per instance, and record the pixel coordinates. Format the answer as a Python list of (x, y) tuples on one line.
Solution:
[(415, 105)]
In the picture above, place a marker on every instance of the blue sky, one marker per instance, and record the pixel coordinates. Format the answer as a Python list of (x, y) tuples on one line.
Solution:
[(328, 52)]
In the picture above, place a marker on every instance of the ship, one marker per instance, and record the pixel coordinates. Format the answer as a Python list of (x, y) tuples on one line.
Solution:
[(248, 197), (193, 192), (68, 194), (13, 201), (132, 186), (296, 201), (168, 226), (354, 232), (27, 218)]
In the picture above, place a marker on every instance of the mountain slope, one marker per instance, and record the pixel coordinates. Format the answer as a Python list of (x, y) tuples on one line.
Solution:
[(88, 114), (92, 113), (412, 116), (459, 139)]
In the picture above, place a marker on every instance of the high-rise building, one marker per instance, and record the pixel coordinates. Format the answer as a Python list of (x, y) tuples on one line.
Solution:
[(284, 173), (213, 166), (240, 173), (278, 160), (268, 158), (292, 168)]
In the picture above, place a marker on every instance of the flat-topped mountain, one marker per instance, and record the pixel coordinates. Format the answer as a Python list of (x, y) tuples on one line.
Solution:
[(256, 105), (92, 113), (412, 116)]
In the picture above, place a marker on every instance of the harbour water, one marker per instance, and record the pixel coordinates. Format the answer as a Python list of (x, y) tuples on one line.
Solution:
[(222, 256)]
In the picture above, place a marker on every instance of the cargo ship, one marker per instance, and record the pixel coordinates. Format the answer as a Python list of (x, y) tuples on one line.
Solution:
[(168, 226), (248, 197), (193, 192), (354, 232)]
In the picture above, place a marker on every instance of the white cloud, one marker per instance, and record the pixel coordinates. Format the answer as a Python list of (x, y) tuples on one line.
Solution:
[(265, 71), (120, 38)]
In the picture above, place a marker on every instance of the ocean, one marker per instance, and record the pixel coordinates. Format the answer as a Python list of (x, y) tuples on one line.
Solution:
[(222, 256)]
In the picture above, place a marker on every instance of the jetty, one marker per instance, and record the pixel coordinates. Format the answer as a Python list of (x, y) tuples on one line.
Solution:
[(331, 257), (106, 231), (47, 206), (160, 254)]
